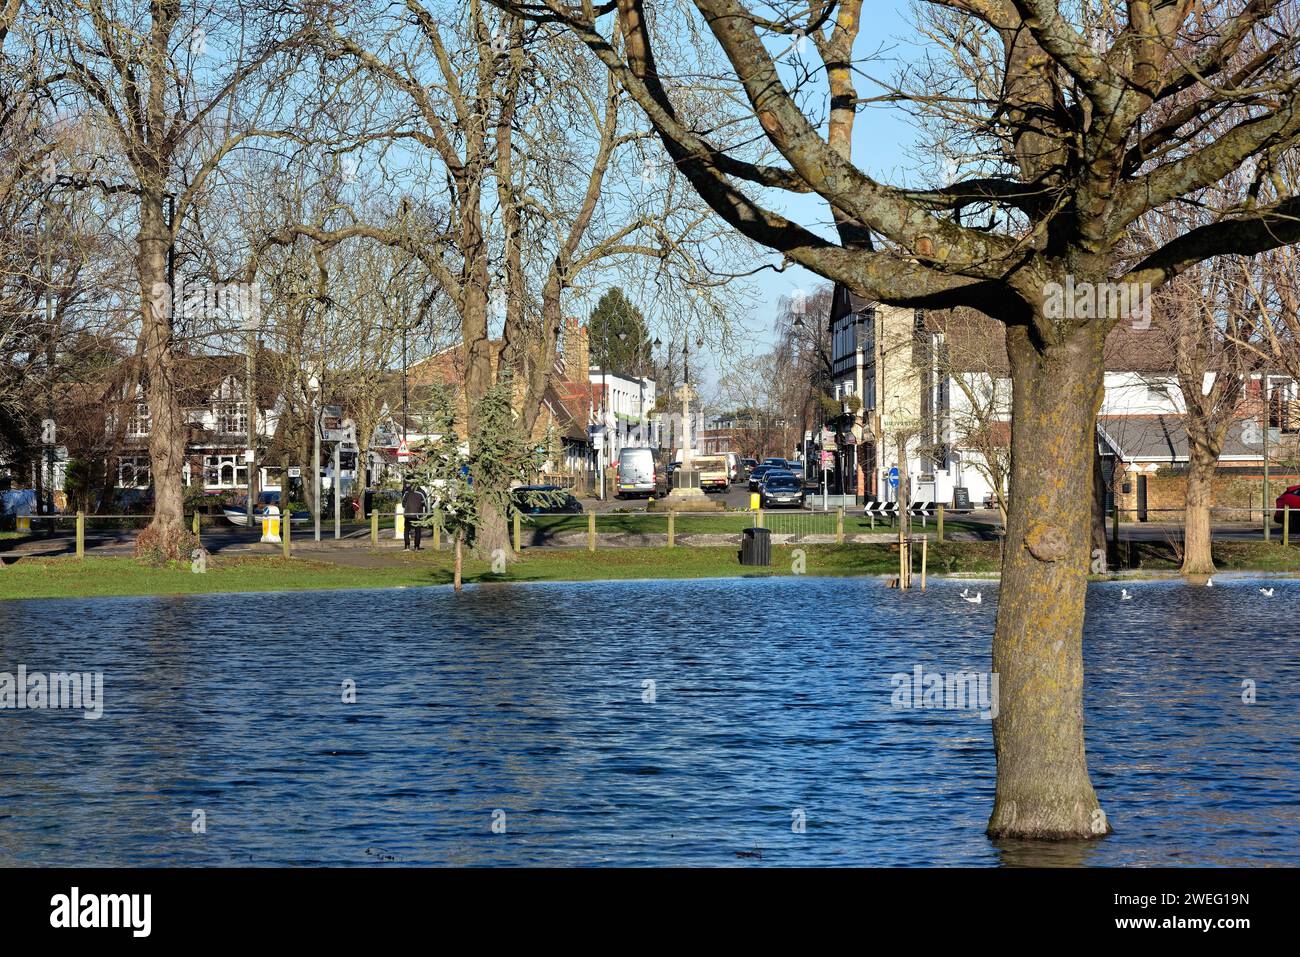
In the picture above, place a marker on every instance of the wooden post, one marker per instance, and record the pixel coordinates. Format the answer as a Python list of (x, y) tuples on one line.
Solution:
[(1286, 525), (591, 531), (196, 523), (839, 525), (758, 517), (1114, 534), (940, 538), (374, 528), (672, 528), (437, 535), (924, 542), (286, 534), (519, 546), (81, 533)]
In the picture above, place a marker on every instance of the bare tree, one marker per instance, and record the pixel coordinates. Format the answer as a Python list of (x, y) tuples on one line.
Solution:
[(145, 70), (1063, 109)]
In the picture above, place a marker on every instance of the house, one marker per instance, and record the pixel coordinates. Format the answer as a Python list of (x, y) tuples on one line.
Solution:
[(937, 385), (562, 426)]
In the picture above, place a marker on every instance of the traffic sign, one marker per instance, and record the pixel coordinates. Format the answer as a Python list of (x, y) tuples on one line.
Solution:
[(893, 477), (403, 452), (295, 472)]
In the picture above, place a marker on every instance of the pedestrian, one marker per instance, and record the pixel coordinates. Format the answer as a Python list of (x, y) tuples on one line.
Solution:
[(413, 505)]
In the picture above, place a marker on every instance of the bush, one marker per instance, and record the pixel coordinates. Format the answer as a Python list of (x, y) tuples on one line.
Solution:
[(155, 546)]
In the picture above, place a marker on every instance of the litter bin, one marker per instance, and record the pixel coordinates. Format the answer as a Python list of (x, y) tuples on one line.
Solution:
[(756, 546)]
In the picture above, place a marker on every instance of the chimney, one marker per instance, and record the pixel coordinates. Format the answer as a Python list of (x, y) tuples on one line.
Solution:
[(577, 353)]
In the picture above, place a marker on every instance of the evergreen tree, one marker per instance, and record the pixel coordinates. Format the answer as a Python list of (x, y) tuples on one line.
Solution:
[(616, 331)]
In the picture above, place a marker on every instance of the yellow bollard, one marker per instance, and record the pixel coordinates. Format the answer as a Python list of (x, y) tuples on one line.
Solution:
[(437, 535), (672, 528), (940, 536), (758, 518), (755, 502), (399, 522), (196, 523), (1286, 525), (24, 523), (374, 528), (81, 534), (591, 531), (288, 531)]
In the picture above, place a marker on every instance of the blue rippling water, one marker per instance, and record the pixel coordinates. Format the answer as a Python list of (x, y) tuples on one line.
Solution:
[(772, 697)]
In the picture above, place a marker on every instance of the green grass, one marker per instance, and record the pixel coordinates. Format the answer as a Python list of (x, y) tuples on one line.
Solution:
[(1228, 556), (91, 577)]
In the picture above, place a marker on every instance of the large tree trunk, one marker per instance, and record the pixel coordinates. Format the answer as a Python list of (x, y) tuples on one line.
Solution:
[(1043, 790), (168, 431), (1204, 458)]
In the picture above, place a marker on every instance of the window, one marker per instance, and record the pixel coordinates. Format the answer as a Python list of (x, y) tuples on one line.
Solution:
[(232, 418), (224, 471), (1283, 410), (133, 471), (138, 422)]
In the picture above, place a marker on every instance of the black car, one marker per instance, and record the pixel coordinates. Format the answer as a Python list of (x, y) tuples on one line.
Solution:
[(545, 500), (756, 476), (781, 488)]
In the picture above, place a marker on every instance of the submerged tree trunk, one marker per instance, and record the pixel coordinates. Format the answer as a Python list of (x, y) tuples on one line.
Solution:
[(1043, 790), (1198, 558), (455, 580)]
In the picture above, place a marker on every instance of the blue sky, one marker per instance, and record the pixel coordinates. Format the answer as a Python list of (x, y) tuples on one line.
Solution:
[(881, 139)]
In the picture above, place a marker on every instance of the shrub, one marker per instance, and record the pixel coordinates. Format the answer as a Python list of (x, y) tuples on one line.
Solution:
[(155, 546)]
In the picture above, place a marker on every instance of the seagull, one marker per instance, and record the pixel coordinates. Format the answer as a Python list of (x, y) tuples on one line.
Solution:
[(1124, 595), (1209, 582), (965, 592), (1266, 592), (974, 599)]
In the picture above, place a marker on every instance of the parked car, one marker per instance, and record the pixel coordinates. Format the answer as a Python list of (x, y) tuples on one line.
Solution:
[(756, 476), (637, 474), (735, 469), (1289, 499), (750, 465), (544, 500), (777, 463), (781, 487), (713, 472)]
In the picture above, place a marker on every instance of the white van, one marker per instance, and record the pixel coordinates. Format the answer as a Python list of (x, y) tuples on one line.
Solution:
[(637, 474)]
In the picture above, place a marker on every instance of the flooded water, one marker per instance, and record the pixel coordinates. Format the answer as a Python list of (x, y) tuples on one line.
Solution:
[(747, 722)]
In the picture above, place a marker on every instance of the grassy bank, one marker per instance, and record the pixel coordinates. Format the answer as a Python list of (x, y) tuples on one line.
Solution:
[(68, 577)]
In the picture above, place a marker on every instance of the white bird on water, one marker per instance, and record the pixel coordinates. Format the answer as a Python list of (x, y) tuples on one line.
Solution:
[(974, 599), (1266, 592), (1209, 582), (1124, 595)]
